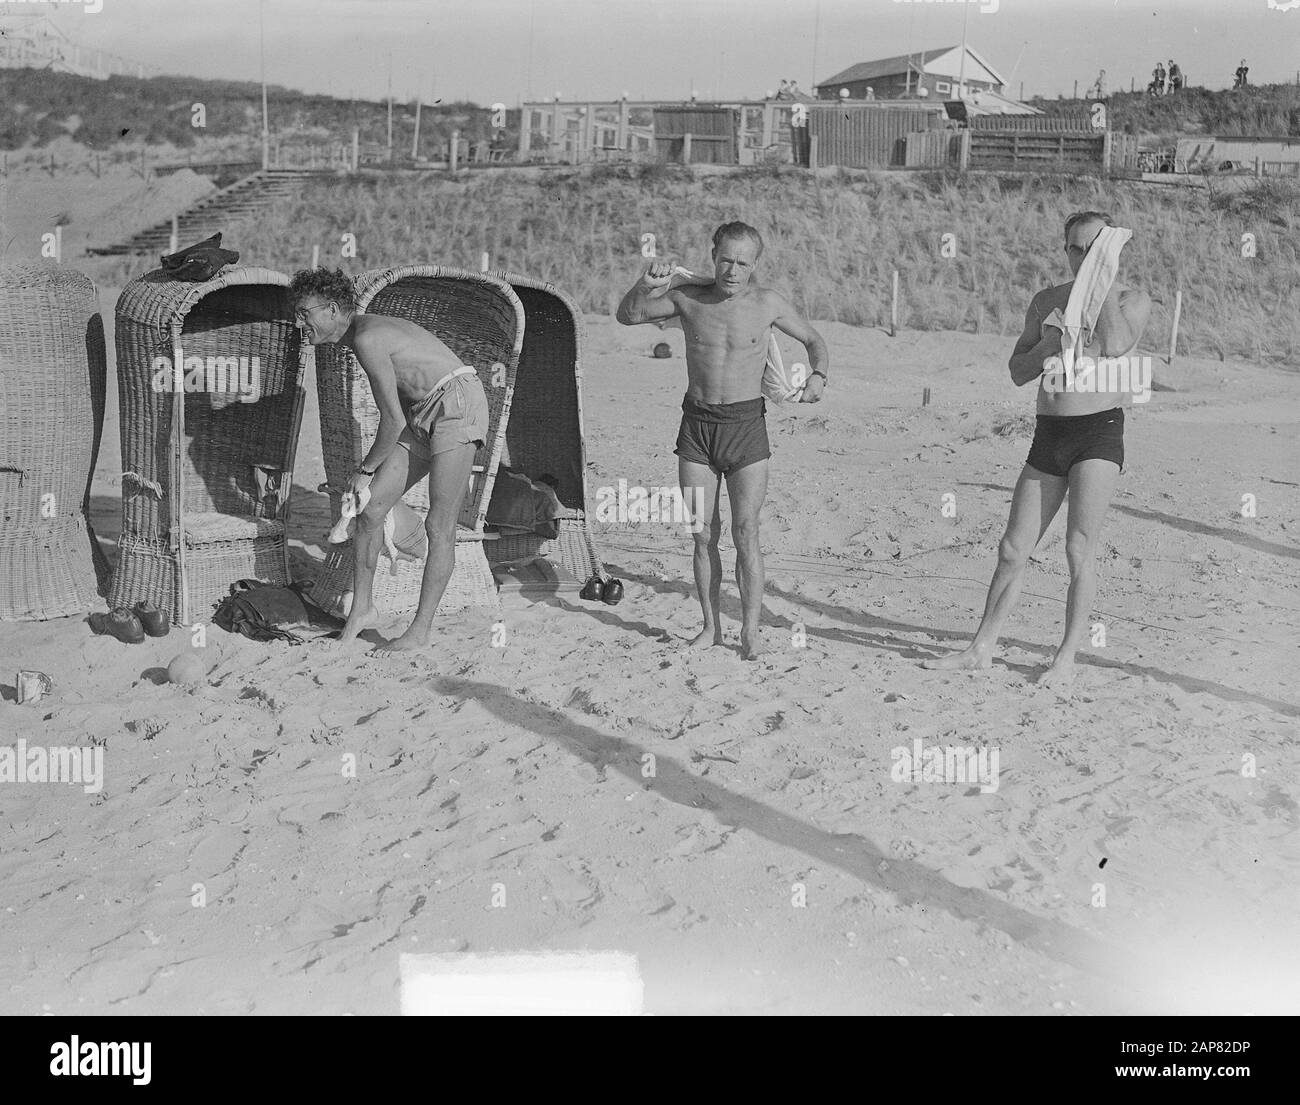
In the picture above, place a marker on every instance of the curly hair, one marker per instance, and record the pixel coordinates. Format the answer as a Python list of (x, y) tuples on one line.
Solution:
[(333, 285)]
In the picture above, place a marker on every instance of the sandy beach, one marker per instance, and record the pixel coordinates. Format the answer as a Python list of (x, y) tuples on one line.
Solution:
[(592, 785)]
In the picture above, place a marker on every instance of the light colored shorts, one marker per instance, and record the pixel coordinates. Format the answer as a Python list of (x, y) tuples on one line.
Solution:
[(454, 413)]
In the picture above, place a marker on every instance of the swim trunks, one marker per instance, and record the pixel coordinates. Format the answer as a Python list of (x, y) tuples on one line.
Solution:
[(454, 413), (725, 436), (1062, 441)]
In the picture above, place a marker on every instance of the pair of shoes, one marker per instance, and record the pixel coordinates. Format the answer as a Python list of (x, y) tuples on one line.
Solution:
[(603, 590), (130, 626), (155, 621)]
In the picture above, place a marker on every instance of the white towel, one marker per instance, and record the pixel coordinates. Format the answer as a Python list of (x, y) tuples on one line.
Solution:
[(778, 382), (349, 508), (1091, 286)]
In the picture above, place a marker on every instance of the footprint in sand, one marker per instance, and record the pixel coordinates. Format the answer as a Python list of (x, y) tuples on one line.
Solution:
[(571, 885)]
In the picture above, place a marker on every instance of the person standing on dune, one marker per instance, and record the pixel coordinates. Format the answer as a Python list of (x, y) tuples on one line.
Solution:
[(433, 416), (1078, 448), (723, 434)]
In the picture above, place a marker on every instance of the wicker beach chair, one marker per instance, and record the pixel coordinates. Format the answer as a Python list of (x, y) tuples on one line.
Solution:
[(545, 435), (205, 477), (482, 321), (52, 380)]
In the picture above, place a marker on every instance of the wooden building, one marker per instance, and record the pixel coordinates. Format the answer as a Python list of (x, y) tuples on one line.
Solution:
[(936, 74)]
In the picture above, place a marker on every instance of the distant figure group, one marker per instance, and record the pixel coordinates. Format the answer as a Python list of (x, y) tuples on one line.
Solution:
[(1242, 70), (1174, 77)]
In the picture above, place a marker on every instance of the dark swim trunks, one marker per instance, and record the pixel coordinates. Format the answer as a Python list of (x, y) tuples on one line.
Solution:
[(725, 436), (1062, 441)]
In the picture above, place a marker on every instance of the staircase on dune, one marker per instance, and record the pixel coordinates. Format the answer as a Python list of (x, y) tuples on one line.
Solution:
[(217, 211)]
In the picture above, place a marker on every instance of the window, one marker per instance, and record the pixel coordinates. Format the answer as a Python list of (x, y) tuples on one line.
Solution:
[(943, 87)]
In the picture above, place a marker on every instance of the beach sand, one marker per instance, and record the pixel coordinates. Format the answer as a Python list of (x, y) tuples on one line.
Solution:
[(503, 798)]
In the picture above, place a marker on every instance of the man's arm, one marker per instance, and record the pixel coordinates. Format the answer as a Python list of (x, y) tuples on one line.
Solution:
[(789, 321), (649, 299), (375, 359), (1120, 324), (1033, 348)]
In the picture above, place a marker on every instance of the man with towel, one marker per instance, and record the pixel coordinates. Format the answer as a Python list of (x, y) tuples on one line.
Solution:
[(1078, 442), (433, 416), (727, 320)]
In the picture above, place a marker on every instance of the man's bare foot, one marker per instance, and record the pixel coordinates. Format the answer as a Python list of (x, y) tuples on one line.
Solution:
[(1058, 676), (751, 645), (356, 622), (413, 640), (706, 638), (968, 659)]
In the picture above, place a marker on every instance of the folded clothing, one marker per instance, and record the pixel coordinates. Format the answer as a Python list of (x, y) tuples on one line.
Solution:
[(524, 505)]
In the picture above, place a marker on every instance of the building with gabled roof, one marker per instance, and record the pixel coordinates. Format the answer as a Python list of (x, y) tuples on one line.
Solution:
[(930, 73)]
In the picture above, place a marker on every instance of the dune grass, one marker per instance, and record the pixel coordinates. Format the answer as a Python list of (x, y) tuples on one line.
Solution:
[(832, 241)]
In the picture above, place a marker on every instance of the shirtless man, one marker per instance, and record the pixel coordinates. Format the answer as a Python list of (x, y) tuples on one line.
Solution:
[(1078, 447), (433, 416), (724, 431)]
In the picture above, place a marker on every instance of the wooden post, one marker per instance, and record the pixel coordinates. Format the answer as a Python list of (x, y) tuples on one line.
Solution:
[(176, 234), (893, 309), (1178, 314), (1105, 153), (588, 127), (525, 131), (965, 151), (812, 152), (557, 144), (686, 148), (485, 262), (925, 397), (454, 151), (622, 124), (356, 148), (415, 142), (315, 257)]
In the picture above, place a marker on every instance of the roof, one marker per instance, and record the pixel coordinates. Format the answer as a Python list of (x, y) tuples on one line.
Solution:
[(885, 67), (891, 67), (992, 103)]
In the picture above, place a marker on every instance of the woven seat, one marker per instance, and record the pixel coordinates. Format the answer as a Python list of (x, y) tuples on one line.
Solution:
[(52, 379), (206, 476), (482, 321), (545, 434)]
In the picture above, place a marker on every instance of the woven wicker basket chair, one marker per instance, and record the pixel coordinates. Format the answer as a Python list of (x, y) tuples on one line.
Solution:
[(205, 479), (52, 380), (482, 321), (545, 435)]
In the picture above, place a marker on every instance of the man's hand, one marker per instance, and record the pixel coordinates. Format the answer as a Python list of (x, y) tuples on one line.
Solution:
[(658, 274), (359, 482), (812, 390)]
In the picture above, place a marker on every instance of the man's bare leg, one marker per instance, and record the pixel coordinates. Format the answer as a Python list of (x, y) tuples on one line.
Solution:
[(392, 479), (747, 488), (700, 486), (449, 474), (1092, 482), (1037, 498)]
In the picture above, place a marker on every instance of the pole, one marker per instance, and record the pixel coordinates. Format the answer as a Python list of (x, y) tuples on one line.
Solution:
[(686, 148), (315, 257), (356, 148), (455, 149), (817, 27), (390, 106), (812, 152), (176, 234), (266, 128), (961, 69), (485, 262), (1076, 90), (415, 145), (1178, 314), (893, 309)]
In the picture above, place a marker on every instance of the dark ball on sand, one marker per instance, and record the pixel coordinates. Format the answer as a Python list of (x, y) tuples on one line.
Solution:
[(663, 349)]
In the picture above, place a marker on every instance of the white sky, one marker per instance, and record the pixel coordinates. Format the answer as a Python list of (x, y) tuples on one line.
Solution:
[(490, 50)]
